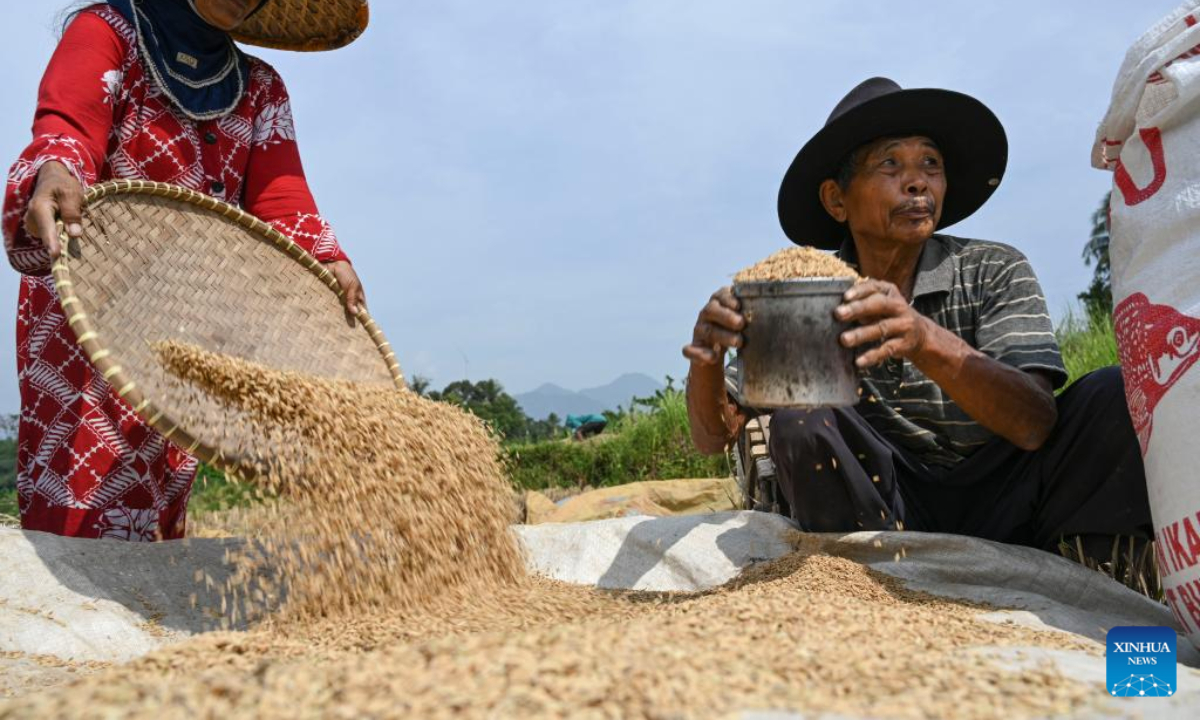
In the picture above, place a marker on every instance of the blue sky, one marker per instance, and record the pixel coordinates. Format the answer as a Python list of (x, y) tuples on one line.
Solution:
[(549, 191)]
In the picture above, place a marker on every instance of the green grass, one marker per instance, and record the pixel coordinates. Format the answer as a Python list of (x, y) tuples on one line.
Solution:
[(651, 445), (1087, 343), (213, 491), (8, 477), (8, 503), (8, 464)]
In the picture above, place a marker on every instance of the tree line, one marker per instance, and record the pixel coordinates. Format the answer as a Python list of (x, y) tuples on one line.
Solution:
[(488, 401)]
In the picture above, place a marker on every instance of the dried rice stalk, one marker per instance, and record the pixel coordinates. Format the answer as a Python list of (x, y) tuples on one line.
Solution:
[(1135, 566)]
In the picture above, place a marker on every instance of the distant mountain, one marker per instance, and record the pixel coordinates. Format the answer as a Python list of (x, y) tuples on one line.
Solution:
[(622, 390), (551, 398)]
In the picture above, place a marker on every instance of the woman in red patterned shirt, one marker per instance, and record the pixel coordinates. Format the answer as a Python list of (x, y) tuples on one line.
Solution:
[(154, 90)]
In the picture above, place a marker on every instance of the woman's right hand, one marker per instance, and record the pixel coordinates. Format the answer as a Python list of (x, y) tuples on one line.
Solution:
[(57, 195), (717, 329)]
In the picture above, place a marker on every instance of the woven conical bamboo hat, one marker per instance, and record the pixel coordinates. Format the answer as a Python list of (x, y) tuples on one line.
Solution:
[(307, 25)]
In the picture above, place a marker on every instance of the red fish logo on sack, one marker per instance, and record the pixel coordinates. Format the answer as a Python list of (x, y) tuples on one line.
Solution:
[(1158, 344)]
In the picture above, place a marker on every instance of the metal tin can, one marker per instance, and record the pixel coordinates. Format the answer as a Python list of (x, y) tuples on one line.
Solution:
[(791, 356)]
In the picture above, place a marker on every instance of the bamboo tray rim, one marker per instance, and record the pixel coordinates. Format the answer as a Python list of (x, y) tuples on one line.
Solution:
[(108, 365)]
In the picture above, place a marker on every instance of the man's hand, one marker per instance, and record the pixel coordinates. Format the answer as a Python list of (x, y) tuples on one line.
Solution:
[(885, 317), (1012, 403), (714, 420), (57, 193), (352, 289), (717, 329)]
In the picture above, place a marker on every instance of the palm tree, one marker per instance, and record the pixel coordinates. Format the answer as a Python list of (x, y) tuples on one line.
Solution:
[(418, 384), (1098, 297)]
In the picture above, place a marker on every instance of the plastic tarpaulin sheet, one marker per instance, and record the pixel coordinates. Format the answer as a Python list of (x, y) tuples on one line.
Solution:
[(1032, 587), (107, 600)]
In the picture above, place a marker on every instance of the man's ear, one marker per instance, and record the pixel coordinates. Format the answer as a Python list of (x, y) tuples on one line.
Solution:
[(831, 198)]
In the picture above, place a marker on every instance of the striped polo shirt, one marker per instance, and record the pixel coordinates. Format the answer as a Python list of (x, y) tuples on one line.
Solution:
[(985, 293)]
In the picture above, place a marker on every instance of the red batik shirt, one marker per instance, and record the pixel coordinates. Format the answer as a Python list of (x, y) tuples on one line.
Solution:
[(87, 466)]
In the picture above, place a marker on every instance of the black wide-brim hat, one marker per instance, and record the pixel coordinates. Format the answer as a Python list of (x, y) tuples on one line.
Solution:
[(971, 138)]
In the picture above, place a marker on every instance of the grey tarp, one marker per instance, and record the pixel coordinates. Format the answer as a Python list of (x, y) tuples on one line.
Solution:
[(107, 600), (1036, 588)]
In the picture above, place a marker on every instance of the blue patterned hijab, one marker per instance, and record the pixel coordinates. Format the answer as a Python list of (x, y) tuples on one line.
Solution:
[(195, 64)]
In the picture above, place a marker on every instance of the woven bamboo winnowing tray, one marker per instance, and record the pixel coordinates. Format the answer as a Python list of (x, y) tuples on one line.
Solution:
[(159, 262)]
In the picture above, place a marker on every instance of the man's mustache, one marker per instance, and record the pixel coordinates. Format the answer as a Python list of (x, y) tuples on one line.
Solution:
[(926, 205)]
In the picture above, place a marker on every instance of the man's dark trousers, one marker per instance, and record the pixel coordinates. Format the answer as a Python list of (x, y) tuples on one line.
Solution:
[(838, 474)]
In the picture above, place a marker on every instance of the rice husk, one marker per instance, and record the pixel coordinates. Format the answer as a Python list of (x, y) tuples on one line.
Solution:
[(406, 598), (795, 263)]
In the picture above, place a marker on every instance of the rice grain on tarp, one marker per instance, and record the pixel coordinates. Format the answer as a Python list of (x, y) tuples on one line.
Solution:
[(809, 633)]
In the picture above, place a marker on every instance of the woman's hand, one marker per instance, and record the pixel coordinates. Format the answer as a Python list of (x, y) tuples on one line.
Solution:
[(352, 289), (57, 193), (885, 317), (718, 328)]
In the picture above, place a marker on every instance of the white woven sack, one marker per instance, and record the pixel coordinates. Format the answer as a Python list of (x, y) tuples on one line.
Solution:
[(1150, 139)]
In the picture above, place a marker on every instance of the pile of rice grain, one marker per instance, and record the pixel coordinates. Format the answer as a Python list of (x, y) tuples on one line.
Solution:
[(408, 599), (796, 262), (809, 633)]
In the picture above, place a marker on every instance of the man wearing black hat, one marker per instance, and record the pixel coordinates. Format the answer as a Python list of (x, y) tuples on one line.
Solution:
[(958, 429)]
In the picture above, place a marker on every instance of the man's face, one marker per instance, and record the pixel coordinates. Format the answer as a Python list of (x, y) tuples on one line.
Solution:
[(895, 193)]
